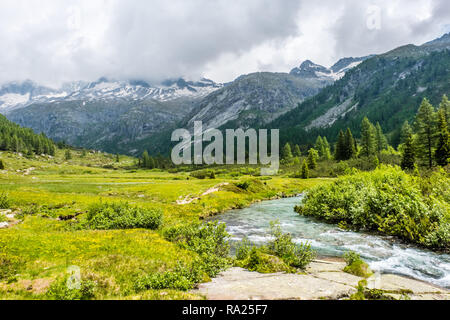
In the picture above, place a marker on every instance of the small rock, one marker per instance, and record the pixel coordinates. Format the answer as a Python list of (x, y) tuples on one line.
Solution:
[(4, 225)]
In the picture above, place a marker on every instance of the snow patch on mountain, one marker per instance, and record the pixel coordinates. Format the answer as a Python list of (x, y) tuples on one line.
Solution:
[(309, 69), (9, 100), (15, 95)]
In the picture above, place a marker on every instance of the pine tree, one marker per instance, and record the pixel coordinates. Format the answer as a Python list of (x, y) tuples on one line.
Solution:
[(297, 152), (408, 157), (340, 147), (426, 132), (445, 104), (67, 155), (368, 138), (313, 155), (381, 138), (320, 147), (305, 170), (286, 153), (327, 152), (2, 165), (151, 163), (406, 131), (117, 158), (442, 154), (145, 159), (349, 145)]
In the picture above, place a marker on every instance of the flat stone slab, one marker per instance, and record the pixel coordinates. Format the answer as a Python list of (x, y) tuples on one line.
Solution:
[(323, 280), (391, 282), (240, 284)]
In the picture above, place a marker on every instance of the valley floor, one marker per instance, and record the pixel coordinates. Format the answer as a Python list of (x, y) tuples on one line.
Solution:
[(46, 194)]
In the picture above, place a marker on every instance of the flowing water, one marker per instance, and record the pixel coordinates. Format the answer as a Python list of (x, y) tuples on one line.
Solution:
[(383, 254)]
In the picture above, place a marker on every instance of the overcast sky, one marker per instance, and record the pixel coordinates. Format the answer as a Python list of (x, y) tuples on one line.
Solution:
[(52, 41)]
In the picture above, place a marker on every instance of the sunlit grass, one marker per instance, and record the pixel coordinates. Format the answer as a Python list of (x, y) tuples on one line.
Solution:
[(113, 258)]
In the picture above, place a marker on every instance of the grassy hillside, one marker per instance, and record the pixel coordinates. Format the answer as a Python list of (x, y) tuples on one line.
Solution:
[(387, 89)]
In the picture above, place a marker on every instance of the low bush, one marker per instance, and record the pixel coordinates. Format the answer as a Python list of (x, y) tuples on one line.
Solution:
[(203, 174), (2, 165), (364, 293), (60, 290), (104, 216), (9, 266), (356, 266), (280, 254), (209, 240), (258, 261), (294, 255), (389, 201), (181, 278), (4, 201)]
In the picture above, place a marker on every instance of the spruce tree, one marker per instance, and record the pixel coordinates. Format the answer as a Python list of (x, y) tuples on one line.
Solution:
[(117, 158), (67, 155), (313, 155), (406, 131), (426, 132), (408, 157), (368, 138), (381, 138), (151, 163), (297, 152), (145, 160), (327, 152), (305, 170), (340, 147), (349, 145), (286, 153), (442, 154), (319, 146), (445, 104)]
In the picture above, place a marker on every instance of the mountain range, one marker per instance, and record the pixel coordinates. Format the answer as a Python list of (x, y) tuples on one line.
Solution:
[(132, 116), (387, 88)]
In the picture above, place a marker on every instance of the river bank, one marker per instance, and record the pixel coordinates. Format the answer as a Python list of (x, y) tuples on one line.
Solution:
[(384, 254), (323, 279)]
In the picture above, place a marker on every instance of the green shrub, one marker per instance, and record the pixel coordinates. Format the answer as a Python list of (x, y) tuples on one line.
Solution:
[(181, 278), (2, 165), (9, 266), (251, 185), (243, 249), (259, 261), (386, 200), (203, 174), (209, 240), (59, 290), (243, 185), (104, 216), (356, 266), (4, 201), (294, 255), (364, 293)]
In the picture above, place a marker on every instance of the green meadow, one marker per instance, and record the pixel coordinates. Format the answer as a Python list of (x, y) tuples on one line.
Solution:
[(51, 195)]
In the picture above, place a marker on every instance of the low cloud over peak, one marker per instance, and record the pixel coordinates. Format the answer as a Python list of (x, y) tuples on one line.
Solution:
[(53, 41)]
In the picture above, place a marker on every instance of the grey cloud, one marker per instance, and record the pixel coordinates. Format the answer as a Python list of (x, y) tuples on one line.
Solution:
[(157, 39)]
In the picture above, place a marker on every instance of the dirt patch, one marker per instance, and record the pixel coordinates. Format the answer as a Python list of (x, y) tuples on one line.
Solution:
[(188, 199)]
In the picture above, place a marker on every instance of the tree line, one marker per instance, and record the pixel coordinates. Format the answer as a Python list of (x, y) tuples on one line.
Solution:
[(17, 139), (425, 142)]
